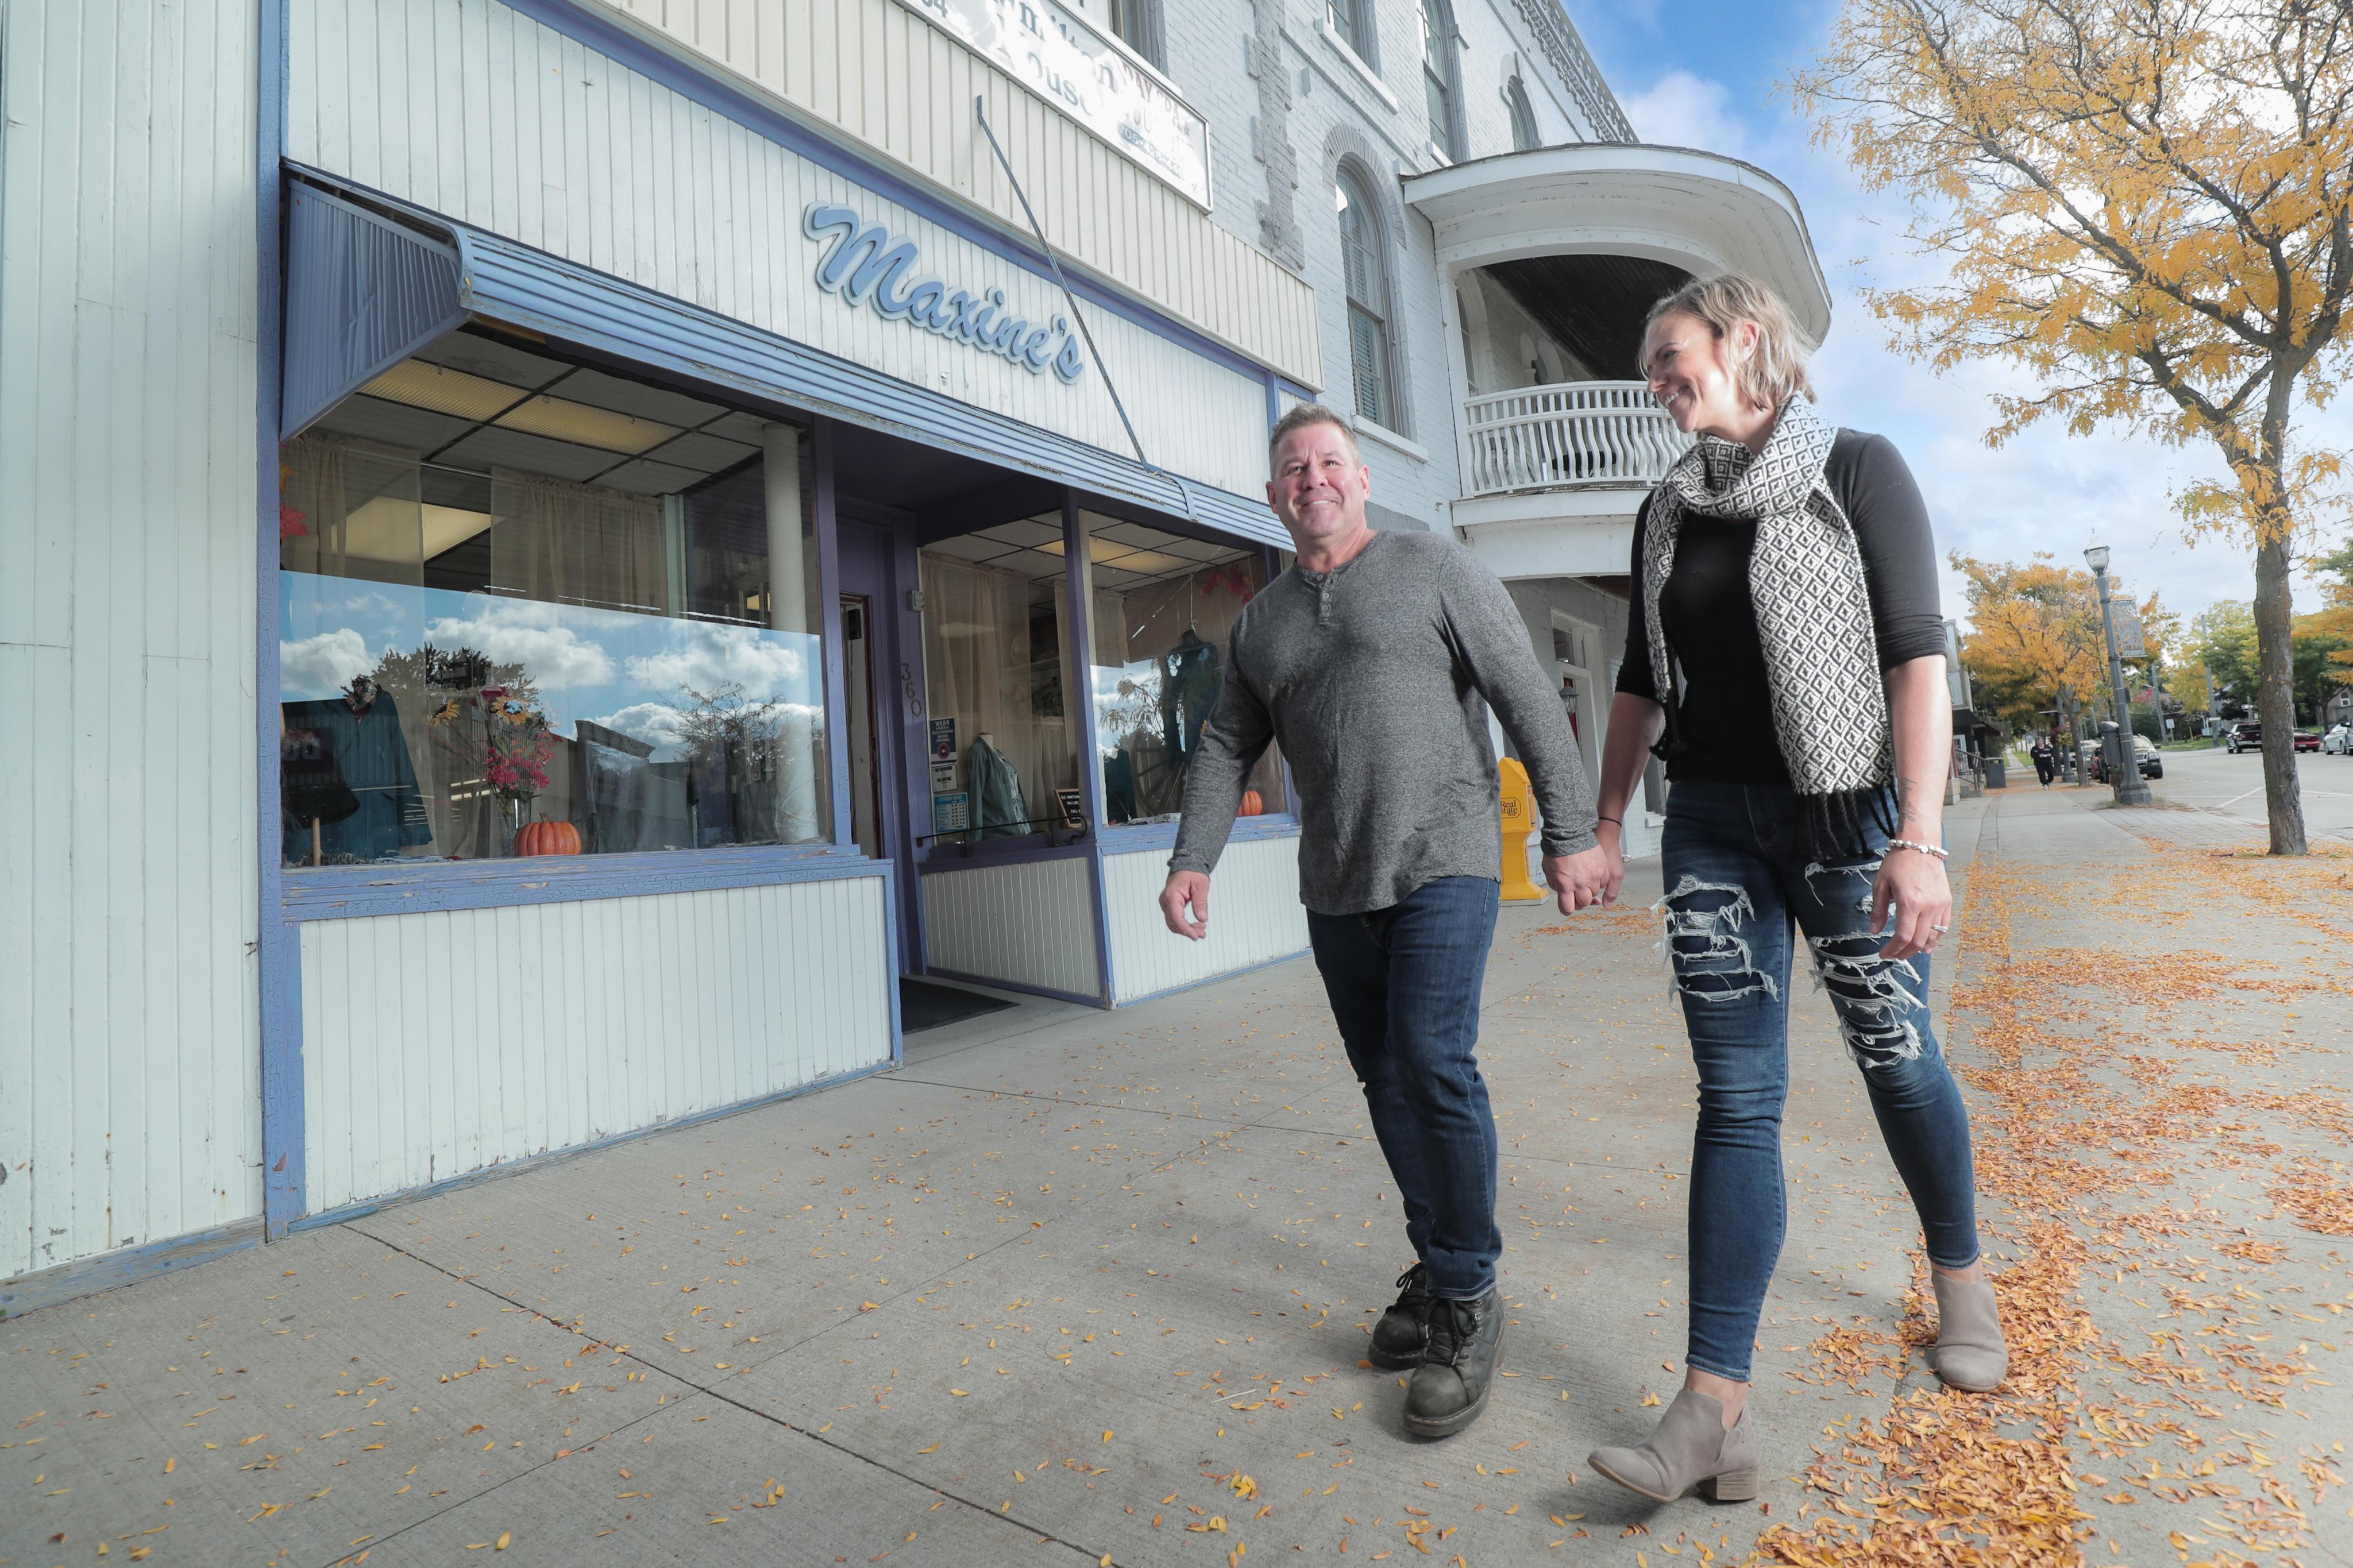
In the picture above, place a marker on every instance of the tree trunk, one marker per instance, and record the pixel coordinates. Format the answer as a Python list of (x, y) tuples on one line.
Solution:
[(2275, 693)]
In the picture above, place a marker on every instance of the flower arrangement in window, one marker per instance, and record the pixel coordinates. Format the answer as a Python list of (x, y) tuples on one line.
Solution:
[(515, 746)]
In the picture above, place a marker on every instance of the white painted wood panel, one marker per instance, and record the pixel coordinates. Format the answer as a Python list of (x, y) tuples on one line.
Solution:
[(880, 73), (1032, 923), (130, 1077), (614, 171), (1255, 917), (437, 1043)]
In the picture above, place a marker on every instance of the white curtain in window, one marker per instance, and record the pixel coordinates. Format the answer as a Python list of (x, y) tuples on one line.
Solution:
[(983, 670), (571, 544)]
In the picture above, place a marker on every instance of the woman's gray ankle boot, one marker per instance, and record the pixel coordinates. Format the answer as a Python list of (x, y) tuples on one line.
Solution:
[(1690, 1447), (1969, 1350)]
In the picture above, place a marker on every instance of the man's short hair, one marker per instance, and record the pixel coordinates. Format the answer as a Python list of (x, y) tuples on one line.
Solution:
[(1299, 418)]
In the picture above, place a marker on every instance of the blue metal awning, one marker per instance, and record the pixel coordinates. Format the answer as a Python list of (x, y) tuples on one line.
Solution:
[(364, 290)]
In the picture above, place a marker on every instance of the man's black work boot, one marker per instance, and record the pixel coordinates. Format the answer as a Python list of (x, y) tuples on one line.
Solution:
[(1403, 1331), (1450, 1388)]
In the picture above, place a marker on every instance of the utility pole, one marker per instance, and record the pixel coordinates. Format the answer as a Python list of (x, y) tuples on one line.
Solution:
[(2124, 763)]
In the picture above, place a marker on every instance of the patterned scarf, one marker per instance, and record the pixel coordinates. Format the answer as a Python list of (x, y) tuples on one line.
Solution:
[(1813, 611)]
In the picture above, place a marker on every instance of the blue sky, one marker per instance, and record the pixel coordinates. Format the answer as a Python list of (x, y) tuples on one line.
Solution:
[(1704, 74)]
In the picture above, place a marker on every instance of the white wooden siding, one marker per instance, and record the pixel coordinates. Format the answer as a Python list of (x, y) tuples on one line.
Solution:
[(129, 1079), (470, 109), (875, 70), (1255, 916), (438, 1044), (1032, 923)]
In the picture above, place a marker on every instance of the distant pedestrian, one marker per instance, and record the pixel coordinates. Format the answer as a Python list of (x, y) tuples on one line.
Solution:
[(1368, 660), (1785, 637), (2046, 761)]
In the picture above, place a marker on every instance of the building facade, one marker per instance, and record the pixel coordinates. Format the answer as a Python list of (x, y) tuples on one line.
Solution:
[(566, 549)]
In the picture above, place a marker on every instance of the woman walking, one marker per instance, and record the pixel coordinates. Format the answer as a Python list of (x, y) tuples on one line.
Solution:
[(1786, 641), (2045, 761)]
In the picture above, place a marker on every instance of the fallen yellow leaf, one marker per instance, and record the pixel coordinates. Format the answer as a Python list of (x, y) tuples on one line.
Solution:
[(933, 1449)]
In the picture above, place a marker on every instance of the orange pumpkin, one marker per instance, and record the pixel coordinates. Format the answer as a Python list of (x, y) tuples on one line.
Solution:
[(547, 838), (1253, 804)]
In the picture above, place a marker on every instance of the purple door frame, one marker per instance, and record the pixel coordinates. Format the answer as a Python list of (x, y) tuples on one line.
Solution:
[(871, 566)]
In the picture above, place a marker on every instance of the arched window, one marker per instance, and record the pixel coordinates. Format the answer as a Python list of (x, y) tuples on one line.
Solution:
[(1366, 271), (1525, 138), (1438, 77)]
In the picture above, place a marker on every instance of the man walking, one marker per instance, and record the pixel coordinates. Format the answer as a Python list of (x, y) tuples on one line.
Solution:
[(1367, 661)]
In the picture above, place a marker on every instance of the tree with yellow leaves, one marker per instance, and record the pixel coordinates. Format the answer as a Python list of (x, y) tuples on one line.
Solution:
[(2034, 628), (2147, 208)]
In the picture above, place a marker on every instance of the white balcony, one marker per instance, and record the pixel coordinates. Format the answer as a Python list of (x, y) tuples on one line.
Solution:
[(1580, 433)]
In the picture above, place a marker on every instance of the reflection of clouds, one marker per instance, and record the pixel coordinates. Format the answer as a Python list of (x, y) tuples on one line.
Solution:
[(521, 631), (655, 724), (367, 605), (707, 657), (323, 665), (661, 726)]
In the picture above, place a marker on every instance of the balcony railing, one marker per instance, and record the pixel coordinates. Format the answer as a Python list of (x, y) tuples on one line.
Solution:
[(1585, 432)]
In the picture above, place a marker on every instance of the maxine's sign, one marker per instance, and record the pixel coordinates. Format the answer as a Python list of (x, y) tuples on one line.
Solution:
[(866, 264)]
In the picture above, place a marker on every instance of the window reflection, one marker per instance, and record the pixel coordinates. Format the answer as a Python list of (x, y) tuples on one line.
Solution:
[(1163, 609), (530, 608)]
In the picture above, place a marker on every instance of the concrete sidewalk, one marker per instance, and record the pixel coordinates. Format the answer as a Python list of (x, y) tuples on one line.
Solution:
[(1074, 1286)]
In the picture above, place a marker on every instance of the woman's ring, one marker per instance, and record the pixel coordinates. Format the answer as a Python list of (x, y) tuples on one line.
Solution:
[(1940, 928)]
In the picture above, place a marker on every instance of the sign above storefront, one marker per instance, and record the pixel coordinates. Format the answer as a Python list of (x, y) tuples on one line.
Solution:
[(866, 264), (1095, 80)]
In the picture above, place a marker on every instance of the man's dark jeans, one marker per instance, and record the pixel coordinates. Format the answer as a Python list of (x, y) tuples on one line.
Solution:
[(1404, 983), (1739, 874)]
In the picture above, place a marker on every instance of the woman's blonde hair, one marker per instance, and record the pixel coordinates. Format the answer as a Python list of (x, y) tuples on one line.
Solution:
[(1776, 370)]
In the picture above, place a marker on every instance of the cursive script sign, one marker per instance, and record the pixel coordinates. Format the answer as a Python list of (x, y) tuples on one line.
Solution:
[(866, 264)]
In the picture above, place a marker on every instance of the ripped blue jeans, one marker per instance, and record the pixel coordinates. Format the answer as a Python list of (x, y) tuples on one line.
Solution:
[(1738, 876)]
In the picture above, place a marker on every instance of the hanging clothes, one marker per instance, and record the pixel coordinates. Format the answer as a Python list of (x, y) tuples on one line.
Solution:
[(999, 810), (1191, 678), (373, 755)]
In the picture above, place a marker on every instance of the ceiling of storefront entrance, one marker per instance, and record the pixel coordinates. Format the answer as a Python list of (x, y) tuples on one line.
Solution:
[(1126, 555), (472, 401)]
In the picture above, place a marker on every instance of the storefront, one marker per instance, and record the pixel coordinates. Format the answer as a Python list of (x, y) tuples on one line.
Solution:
[(699, 603)]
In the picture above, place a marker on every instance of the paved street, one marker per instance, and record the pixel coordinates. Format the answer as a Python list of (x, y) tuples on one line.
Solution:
[(1126, 1325), (2232, 786)]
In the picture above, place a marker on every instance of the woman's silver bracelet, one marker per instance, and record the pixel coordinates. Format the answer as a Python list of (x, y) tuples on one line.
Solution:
[(1922, 848)]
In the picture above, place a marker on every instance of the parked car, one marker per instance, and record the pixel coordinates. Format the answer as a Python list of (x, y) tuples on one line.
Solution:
[(2339, 741), (2307, 740), (2145, 753), (2245, 736)]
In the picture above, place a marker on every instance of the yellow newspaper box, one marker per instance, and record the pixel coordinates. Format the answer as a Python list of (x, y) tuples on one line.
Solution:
[(1519, 821)]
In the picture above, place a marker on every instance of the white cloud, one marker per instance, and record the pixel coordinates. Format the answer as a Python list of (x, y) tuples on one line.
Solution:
[(321, 665), (1682, 109), (521, 631), (706, 658)]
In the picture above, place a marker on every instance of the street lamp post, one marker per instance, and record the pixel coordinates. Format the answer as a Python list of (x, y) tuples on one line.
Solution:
[(2123, 767)]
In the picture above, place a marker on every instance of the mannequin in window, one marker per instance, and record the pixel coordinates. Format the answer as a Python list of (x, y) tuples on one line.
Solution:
[(999, 810), (360, 730), (1189, 680)]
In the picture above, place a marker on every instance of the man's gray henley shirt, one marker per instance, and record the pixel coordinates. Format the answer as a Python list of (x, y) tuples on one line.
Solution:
[(1371, 677)]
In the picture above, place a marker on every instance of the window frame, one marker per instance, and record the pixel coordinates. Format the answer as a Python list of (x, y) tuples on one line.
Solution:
[(1378, 310), (1355, 24), (1526, 135), (1442, 74)]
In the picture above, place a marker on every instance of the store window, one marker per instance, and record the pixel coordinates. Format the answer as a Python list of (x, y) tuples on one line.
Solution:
[(531, 607), (1439, 81), (1525, 137), (1364, 273), (1163, 611), (1004, 753)]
